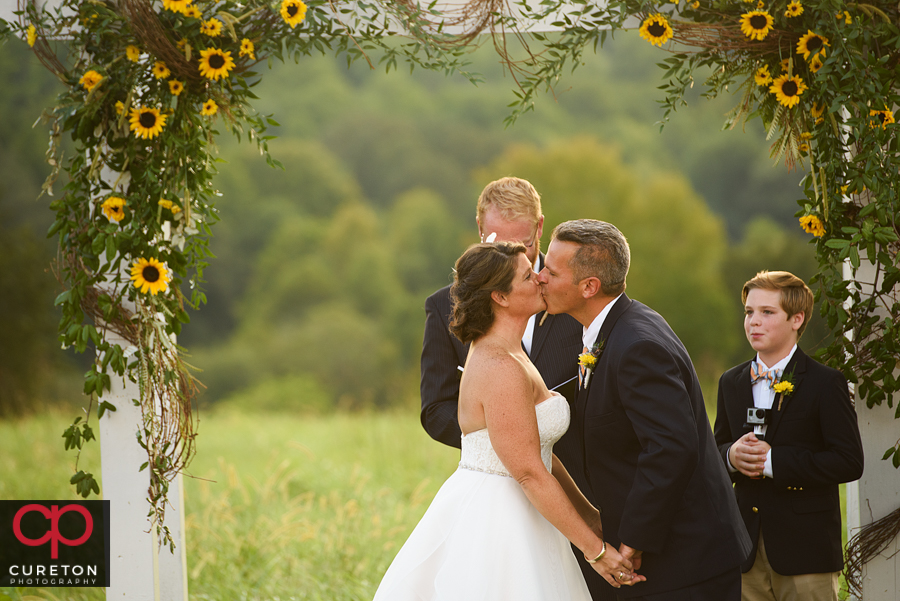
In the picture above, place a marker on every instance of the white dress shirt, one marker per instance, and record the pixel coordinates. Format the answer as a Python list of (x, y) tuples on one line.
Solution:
[(589, 336)]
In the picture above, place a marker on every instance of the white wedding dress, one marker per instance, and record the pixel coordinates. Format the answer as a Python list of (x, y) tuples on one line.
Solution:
[(481, 539)]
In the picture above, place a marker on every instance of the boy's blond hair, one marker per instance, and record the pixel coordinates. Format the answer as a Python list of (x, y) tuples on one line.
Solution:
[(796, 297)]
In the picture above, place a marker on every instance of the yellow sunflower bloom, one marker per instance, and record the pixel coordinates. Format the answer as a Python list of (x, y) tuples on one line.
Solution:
[(160, 70), (215, 64), (247, 49), (150, 276), (788, 89), (763, 77), (293, 12), (794, 9), (209, 108), (785, 65), (803, 147), (882, 118), (817, 110), (811, 44), (176, 6), (133, 53), (176, 87), (696, 4), (168, 204), (812, 225), (846, 17), (146, 122), (656, 29), (587, 360), (784, 388), (120, 107), (816, 62), (114, 208), (90, 80), (212, 28), (31, 35), (192, 12), (756, 24), (806, 136)]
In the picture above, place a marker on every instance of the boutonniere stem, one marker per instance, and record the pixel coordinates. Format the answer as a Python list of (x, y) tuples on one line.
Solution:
[(783, 388)]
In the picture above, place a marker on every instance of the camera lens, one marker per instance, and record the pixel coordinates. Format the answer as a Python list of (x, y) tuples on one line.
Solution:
[(760, 413)]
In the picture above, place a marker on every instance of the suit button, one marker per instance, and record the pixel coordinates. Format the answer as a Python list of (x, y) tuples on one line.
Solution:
[(755, 510), (789, 488), (801, 488)]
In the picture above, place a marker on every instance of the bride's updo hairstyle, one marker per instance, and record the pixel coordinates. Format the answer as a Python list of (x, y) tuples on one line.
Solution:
[(482, 269)]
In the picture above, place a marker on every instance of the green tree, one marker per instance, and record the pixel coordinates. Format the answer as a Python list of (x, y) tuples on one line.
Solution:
[(677, 244)]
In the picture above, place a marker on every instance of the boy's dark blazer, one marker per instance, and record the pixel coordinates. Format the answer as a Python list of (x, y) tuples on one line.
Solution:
[(815, 446), (555, 347), (650, 458)]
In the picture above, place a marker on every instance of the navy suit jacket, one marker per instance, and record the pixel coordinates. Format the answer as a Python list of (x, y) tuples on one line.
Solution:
[(555, 347), (815, 446), (650, 459)]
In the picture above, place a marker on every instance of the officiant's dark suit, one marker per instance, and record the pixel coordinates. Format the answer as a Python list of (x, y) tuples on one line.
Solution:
[(815, 444), (555, 346), (651, 461)]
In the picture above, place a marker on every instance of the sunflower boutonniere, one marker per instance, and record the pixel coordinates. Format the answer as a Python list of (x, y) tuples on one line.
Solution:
[(784, 387), (589, 360)]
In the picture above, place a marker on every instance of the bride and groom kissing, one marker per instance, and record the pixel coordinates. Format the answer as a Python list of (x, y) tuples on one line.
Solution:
[(580, 420)]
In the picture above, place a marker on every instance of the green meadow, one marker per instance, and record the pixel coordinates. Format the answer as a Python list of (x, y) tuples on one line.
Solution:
[(278, 506)]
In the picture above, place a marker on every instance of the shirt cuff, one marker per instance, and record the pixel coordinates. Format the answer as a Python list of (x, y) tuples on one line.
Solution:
[(767, 468), (730, 467)]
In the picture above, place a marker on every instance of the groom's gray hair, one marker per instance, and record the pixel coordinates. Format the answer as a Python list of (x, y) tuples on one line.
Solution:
[(604, 253)]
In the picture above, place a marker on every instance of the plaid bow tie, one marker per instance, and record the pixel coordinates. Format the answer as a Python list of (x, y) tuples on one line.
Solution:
[(771, 375)]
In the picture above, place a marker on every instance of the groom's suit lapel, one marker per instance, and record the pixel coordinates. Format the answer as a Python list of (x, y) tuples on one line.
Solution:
[(618, 309)]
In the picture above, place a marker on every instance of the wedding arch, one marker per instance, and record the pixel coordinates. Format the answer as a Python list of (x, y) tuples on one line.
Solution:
[(149, 81)]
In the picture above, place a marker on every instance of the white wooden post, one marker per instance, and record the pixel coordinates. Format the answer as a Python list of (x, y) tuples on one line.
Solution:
[(140, 570), (877, 493)]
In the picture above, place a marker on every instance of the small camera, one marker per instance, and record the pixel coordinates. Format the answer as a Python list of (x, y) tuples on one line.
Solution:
[(757, 416)]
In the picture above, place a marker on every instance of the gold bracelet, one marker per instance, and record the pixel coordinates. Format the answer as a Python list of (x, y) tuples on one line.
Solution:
[(600, 556)]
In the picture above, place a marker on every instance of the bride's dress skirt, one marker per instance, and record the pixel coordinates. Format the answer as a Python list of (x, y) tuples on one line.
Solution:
[(481, 539)]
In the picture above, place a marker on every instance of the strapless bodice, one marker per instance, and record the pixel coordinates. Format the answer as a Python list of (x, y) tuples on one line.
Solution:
[(553, 421)]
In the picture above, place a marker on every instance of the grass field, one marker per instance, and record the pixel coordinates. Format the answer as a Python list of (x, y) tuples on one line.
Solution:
[(280, 507), (287, 507)]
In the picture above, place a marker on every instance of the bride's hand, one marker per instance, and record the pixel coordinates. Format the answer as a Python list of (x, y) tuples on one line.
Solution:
[(617, 570)]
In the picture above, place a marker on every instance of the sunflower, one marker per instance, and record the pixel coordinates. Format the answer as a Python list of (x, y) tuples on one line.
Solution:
[(176, 6), (193, 12), (846, 17), (812, 225), (160, 70), (31, 35), (803, 147), (212, 28), (210, 108), (114, 208), (806, 136), (811, 43), (90, 80), (816, 63), (696, 4), (215, 64), (168, 204), (817, 110), (293, 12), (176, 87), (146, 122), (150, 275), (882, 118), (656, 29), (133, 53), (756, 24), (788, 89), (763, 77), (247, 49), (120, 107), (785, 65), (794, 9)]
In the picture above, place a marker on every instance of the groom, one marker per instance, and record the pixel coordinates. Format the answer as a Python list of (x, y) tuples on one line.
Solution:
[(650, 459)]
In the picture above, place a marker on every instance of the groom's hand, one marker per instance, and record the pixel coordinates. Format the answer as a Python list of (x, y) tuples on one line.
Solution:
[(748, 455), (632, 555)]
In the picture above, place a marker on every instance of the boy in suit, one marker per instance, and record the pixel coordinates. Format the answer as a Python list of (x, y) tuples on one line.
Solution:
[(787, 432)]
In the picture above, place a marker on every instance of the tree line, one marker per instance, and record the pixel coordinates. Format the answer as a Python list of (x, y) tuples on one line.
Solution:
[(315, 299)]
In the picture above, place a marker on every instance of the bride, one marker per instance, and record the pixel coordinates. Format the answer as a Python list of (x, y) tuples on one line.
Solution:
[(498, 527)]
